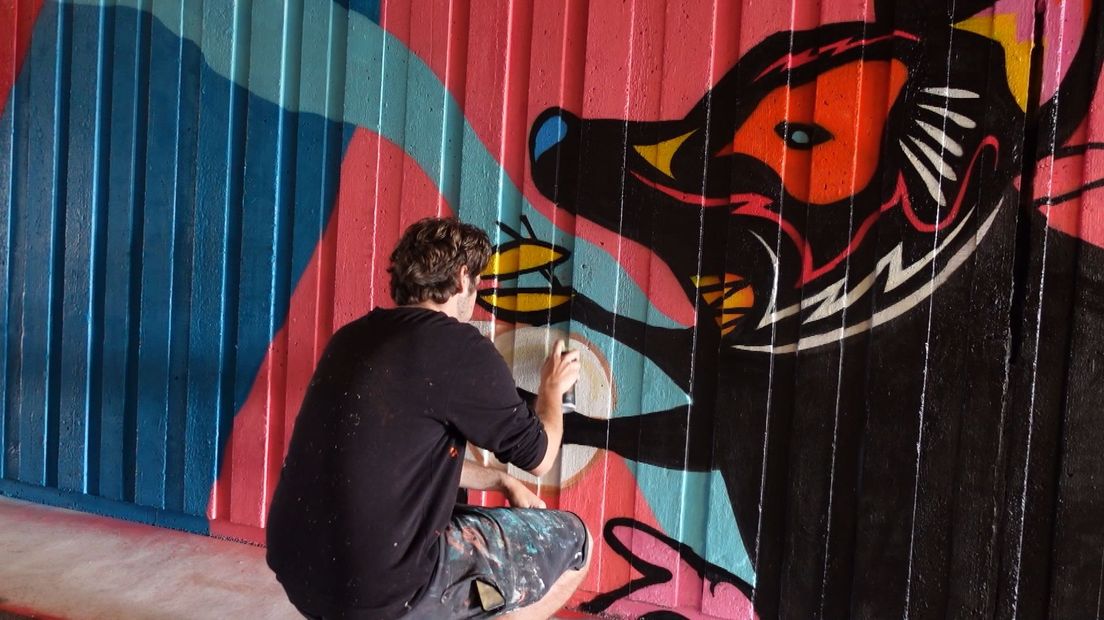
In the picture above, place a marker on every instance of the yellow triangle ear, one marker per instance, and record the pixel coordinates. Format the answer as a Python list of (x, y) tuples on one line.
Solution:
[(659, 155), (700, 281), (1002, 28)]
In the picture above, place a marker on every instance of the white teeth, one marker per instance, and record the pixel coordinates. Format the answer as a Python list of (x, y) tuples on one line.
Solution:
[(940, 164), (929, 179), (952, 93), (952, 147), (954, 117)]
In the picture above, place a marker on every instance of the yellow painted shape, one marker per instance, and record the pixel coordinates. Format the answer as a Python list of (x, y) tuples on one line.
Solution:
[(660, 155), (526, 302), (700, 281), (525, 257), (1017, 54), (502, 264)]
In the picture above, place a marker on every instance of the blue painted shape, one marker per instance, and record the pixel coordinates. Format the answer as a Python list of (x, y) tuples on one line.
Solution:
[(149, 207), (85, 213), (125, 195), (550, 133)]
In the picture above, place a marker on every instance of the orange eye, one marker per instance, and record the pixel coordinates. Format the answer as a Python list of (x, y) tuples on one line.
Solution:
[(823, 138)]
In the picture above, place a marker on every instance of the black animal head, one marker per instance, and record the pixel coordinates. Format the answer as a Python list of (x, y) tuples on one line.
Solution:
[(826, 167)]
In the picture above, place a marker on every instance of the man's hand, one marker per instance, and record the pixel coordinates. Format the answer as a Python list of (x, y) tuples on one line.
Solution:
[(519, 495), (477, 477), (559, 372)]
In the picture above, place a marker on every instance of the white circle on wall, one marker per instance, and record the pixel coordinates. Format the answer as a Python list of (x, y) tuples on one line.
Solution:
[(525, 349)]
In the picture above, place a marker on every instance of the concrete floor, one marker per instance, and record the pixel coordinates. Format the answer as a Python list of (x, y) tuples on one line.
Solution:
[(63, 564), (59, 564)]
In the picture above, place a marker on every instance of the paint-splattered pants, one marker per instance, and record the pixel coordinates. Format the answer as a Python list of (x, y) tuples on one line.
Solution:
[(495, 560)]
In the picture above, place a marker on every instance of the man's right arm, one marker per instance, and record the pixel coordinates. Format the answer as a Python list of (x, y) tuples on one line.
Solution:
[(558, 374)]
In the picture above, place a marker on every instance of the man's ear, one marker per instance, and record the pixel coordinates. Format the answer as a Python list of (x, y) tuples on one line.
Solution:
[(463, 276)]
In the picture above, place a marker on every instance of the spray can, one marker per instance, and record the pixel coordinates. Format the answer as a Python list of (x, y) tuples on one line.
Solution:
[(569, 396)]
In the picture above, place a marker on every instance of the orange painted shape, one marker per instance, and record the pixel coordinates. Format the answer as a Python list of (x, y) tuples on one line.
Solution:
[(711, 297), (742, 298), (844, 164), (727, 330)]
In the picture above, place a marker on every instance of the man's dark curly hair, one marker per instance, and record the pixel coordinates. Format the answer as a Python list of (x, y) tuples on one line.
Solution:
[(427, 260)]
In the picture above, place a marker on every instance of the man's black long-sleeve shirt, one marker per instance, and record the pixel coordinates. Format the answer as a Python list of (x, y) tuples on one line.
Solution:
[(373, 467)]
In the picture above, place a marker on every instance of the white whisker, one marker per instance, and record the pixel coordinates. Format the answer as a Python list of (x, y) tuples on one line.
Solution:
[(940, 164), (929, 179), (954, 117), (952, 147), (952, 93)]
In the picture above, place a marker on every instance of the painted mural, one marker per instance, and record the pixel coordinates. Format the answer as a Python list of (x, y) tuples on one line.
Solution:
[(835, 270)]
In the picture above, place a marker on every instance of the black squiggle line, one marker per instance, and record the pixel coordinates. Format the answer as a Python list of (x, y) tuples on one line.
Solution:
[(653, 574), (1059, 199)]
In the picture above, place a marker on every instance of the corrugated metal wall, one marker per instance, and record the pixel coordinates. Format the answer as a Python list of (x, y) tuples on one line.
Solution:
[(836, 269)]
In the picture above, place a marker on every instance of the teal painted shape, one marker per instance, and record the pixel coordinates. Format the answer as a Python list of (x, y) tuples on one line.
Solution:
[(708, 526), (640, 385)]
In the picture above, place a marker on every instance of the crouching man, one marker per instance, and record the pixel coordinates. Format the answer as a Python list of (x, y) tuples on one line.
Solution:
[(364, 522)]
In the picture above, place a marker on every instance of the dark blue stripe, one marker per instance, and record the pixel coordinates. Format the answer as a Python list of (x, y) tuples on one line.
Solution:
[(42, 192), (183, 273), (166, 269), (125, 189), (81, 326), (16, 115), (214, 297), (62, 76), (7, 203)]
